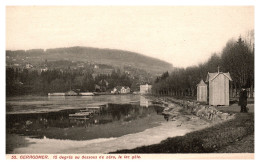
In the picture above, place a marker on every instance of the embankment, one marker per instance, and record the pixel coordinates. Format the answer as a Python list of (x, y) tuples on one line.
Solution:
[(228, 133)]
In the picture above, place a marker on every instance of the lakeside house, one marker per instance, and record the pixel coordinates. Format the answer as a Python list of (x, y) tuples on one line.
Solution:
[(218, 88), (125, 90), (145, 89), (121, 90), (116, 90)]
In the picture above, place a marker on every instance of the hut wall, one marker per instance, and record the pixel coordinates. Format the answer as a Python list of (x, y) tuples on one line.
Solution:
[(202, 93), (219, 91), (226, 91), (211, 91)]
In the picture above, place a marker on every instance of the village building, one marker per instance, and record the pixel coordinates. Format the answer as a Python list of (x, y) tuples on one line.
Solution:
[(145, 89), (125, 90), (218, 88), (115, 90), (28, 66), (80, 65), (121, 90), (202, 92), (44, 69)]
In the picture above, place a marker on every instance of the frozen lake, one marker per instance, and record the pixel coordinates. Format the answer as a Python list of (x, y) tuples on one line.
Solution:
[(29, 104), (48, 117)]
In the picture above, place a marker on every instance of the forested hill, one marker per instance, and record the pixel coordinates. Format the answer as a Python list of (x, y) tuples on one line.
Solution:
[(102, 56)]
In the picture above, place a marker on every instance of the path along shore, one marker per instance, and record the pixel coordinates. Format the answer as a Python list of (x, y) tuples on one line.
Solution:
[(174, 108), (226, 131)]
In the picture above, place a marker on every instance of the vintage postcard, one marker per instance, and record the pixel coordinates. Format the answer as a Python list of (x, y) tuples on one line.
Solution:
[(130, 82)]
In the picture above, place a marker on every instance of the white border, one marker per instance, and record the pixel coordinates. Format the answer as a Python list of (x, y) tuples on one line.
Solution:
[(120, 3), (130, 2)]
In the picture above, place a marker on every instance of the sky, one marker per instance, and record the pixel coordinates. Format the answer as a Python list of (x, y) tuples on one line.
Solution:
[(183, 36)]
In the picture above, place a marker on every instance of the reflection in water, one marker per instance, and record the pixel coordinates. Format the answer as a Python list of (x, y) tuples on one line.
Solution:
[(144, 102), (36, 124), (30, 104)]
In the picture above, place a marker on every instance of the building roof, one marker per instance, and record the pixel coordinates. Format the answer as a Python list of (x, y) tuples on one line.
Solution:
[(201, 83), (212, 76)]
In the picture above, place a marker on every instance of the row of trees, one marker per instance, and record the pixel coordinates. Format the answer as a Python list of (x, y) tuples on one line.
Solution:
[(23, 81), (237, 58)]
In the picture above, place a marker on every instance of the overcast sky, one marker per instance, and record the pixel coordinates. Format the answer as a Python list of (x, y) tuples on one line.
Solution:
[(182, 36)]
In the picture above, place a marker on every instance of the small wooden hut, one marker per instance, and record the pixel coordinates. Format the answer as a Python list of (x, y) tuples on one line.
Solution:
[(218, 88), (202, 92)]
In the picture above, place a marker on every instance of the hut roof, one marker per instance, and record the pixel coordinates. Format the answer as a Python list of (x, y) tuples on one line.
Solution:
[(212, 76), (201, 83)]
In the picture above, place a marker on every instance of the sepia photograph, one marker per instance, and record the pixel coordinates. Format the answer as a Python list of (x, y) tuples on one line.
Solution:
[(137, 80)]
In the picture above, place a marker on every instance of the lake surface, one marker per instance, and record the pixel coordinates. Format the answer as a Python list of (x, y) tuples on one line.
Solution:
[(48, 117), (33, 104)]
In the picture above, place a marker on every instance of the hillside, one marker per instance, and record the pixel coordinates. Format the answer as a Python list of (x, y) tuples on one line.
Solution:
[(118, 58)]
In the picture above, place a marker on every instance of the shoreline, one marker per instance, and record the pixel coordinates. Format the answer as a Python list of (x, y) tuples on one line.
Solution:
[(233, 135), (179, 123)]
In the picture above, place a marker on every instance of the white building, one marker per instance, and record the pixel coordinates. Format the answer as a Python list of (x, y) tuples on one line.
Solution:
[(120, 89), (125, 90), (28, 66), (145, 89), (44, 69)]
